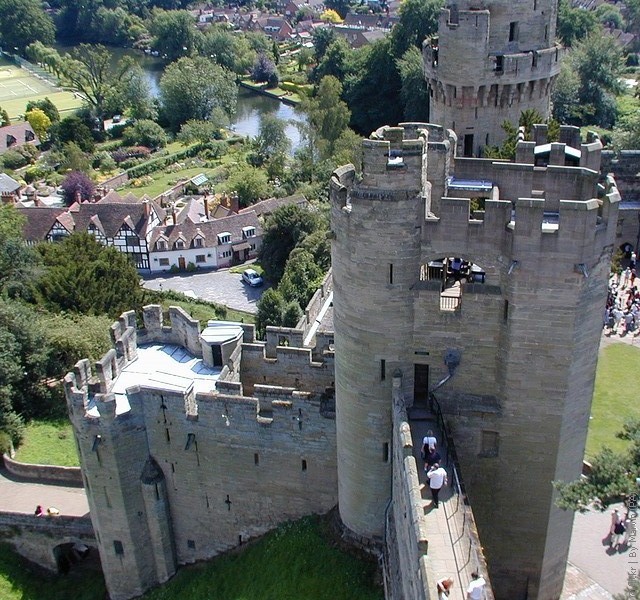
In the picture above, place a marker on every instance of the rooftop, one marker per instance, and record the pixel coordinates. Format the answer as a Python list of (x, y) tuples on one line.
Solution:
[(164, 367)]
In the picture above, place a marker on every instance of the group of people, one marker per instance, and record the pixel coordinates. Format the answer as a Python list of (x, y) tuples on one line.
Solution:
[(475, 590), (52, 511), (436, 474), (622, 314), (619, 530)]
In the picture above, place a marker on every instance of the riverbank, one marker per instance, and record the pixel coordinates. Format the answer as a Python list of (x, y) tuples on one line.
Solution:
[(284, 96)]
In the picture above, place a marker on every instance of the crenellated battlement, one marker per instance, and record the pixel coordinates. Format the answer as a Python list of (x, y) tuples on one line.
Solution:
[(182, 329)]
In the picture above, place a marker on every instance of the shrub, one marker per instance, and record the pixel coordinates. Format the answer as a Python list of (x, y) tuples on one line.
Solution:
[(191, 267), (75, 183), (12, 159), (174, 269), (34, 173)]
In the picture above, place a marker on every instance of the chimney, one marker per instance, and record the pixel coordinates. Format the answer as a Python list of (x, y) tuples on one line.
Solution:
[(206, 207), (235, 204), (173, 214)]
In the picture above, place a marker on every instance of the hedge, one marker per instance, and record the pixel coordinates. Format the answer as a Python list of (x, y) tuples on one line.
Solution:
[(156, 164)]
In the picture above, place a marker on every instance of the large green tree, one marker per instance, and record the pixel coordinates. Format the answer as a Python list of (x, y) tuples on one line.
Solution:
[(17, 261), (228, 48), (23, 22), (414, 91), (287, 227), (301, 278), (82, 276), (174, 34), (191, 88), (574, 24), (418, 21)]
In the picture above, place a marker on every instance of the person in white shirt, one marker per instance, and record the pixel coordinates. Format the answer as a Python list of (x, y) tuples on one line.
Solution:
[(475, 591), (429, 440), (437, 478)]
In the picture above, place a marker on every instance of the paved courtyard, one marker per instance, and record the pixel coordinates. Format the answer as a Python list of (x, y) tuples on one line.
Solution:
[(222, 287)]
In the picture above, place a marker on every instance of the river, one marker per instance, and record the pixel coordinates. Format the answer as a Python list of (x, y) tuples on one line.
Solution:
[(251, 106)]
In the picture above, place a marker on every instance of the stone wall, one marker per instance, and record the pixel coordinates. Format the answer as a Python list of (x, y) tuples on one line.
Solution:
[(45, 473), (36, 537)]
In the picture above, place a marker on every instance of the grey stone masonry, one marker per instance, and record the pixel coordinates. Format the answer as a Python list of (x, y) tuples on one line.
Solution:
[(522, 325), (489, 62)]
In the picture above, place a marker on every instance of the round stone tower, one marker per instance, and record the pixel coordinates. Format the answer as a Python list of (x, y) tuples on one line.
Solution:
[(491, 60), (376, 245)]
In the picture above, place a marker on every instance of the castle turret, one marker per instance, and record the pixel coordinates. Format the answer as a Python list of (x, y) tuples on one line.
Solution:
[(491, 60), (376, 246)]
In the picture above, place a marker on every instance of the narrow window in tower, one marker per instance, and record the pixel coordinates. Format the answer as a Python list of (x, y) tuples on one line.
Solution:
[(486, 140), (489, 444), (166, 431), (390, 273), (505, 313), (385, 452), (118, 548), (106, 498), (476, 112), (383, 370), (535, 4), (304, 464), (499, 63), (513, 31), (256, 459), (191, 544), (157, 492)]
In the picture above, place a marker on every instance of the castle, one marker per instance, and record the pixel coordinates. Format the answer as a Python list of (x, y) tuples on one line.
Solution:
[(193, 441)]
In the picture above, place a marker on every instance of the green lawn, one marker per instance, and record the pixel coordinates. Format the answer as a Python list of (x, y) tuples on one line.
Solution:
[(615, 398), (297, 561), (64, 101), (48, 443), (163, 181)]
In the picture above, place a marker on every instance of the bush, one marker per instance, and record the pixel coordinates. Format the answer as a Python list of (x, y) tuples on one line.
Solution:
[(12, 159), (34, 173), (191, 267), (174, 269), (6, 444), (77, 183), (163, 162)]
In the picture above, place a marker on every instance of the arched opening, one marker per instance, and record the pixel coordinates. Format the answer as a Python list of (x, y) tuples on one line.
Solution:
[(453, 272), (73, 555)]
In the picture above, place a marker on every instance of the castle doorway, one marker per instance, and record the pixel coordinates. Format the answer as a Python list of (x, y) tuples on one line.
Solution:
[(468, 144), (420, 385)]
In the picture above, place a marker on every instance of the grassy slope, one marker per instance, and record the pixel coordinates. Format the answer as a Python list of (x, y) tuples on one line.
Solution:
[(295, 561), (615, 398), (49, 443)]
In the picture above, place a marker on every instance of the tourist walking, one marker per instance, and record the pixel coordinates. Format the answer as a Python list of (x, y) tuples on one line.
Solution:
[(475, 591), (444, 586), (437, 477)]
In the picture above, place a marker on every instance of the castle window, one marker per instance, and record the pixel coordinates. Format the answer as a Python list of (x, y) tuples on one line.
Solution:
[(505, 314), (383, 370), (385, 452), (256, 459), (304, 464), (390, 273), (166, 431), (118, 547), (499, 64), (513, 31), (489, 442), (191, 544)]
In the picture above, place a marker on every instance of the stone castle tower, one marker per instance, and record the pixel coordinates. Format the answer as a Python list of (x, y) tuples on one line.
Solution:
[(491, 60), (517, 332)]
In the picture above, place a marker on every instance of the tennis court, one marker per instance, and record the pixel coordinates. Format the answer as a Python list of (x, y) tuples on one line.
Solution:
[(18, 86)]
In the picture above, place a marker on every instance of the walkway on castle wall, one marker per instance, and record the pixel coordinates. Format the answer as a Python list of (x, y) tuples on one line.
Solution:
[(23, 497)]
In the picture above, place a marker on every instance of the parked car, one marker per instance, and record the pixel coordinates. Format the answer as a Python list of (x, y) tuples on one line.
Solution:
[(251, 277)]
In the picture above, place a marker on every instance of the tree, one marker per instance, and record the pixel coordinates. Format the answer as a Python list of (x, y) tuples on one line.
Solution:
[(46, 106), (270, 311), (272, 141), (574, 24), (564, 96), (39, 121), (88, 71), (135, 96), (414, 91), (17, 261), (203, 131), (77, 185), (264, 70), (328, 116), (191, 88), (322, 38), (145, 133), (301, 278), (228, 49), (632, 591), (339, 6), (72, 158), (336, 61), (373, 92), (174, 34), (613, 476), (626, 135), (418, 21), (251, 185), (331, 16), (82, 276), (609, 16), (284, 230), (24, 22), (72, 129), (598, 64), (4, 117)]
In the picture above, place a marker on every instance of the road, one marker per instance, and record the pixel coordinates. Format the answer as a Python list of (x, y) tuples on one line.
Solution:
[(222, 287)]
